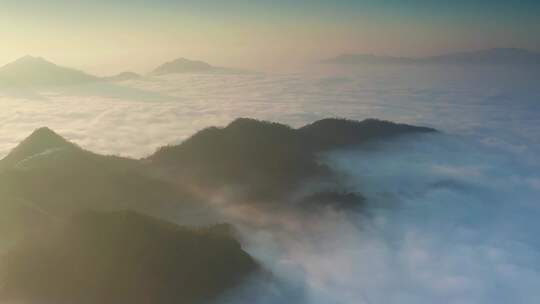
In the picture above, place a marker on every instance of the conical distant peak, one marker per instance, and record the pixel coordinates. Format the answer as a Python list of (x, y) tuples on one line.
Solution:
[(30, 57), (37, 71), (32, 60)]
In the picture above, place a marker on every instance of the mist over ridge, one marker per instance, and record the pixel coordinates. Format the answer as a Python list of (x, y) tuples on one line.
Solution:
[(35, 210)]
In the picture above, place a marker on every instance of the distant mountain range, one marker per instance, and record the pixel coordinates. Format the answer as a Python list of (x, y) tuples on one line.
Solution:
[(31, 71), (496, 56)]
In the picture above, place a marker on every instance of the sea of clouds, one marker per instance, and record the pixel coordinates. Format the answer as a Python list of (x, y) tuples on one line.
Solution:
[(450, 218)]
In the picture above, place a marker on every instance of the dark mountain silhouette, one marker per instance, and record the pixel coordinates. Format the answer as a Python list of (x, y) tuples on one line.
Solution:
[(80, 245), (46, 177), (183, 65), (332, 133), (261, 157), (124, 258), (124, 76), (496, 56), (42, 140), (36, 71), (267, 160)]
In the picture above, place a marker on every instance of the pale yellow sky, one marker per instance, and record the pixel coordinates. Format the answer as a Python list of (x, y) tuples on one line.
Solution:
[(106, 37)]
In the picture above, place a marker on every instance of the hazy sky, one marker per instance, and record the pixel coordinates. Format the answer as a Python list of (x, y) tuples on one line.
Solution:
[(107, 36)]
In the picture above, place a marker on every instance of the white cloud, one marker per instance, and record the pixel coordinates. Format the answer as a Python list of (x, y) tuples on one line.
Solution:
[(453, 217)]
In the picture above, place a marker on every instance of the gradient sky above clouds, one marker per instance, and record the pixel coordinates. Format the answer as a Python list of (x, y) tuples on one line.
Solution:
[(110, 36)]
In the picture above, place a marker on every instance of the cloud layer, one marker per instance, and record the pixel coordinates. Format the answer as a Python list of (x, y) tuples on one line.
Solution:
[(451, 218), (122, 120), (448, 220)]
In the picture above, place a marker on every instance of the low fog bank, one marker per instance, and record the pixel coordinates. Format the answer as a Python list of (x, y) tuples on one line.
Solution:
[(447, 219)]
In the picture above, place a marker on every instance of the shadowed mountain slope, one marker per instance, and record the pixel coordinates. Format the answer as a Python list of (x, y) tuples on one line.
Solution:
[(332, 133), (124, 258), (261, 157), (40, 142), (47, 177), (268, 160), (81, 246)]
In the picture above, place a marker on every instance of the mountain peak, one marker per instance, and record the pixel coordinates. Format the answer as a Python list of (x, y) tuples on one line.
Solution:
[(29, 71), (185, 60), (28, 64), (123, 76), (45, 133), (40, 141), (31, 59), (183, 65), (190, 62), (45, 138)]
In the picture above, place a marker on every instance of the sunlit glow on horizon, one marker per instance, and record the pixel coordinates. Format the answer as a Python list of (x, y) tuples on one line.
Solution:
[(110, 37)]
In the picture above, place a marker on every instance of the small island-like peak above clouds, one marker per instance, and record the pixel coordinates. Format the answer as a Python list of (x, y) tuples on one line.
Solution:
[(494, 56), (123, 76), (187, 66), (37, 71)]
